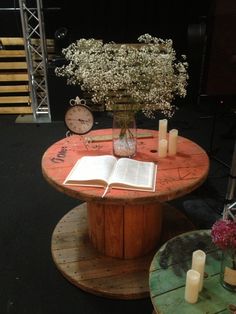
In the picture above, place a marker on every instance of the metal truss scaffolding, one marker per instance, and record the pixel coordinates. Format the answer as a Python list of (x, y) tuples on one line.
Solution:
[(230, 206), (36, 57)]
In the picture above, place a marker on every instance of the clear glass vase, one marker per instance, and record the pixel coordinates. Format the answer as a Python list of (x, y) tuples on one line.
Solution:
[(124, 133), (228, 269)]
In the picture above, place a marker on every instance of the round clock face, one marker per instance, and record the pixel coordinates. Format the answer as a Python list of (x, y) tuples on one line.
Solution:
[(79, 119)]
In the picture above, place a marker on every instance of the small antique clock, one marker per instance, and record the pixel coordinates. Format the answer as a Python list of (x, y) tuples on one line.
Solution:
[(79, 118)]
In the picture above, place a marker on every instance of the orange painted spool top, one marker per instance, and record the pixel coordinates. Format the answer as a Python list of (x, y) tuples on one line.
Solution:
[(176, 175)]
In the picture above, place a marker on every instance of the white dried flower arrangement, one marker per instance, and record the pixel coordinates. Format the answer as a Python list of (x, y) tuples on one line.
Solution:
[(145, 74)]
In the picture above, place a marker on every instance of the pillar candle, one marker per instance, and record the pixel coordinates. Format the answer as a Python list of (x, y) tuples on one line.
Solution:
[(172, 146), (162, 148), (198, 264), (192, 286), (162, 129)]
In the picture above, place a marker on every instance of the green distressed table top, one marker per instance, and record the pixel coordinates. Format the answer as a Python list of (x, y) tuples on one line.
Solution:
[(167, 277)]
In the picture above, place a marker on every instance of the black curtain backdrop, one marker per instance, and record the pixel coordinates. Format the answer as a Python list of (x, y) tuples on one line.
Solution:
[(120, 21), (124, 21)]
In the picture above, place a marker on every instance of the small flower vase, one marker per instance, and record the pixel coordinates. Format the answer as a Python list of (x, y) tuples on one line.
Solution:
[(124, 133), (228, 270)]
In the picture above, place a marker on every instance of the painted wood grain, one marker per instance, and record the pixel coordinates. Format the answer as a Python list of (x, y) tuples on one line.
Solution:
[(112, 256), (124, 231), (168, 275), (176, 176), (83, 265)]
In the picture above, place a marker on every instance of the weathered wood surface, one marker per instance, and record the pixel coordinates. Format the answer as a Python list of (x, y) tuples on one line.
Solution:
[(19, 41), (12, 53), (16, 110), (84, 266), (176, 176), (13, 65), (167, 277), (14, 88), (14, 79), (15, 99), (13, 68), (127, 212), (127, 224), (123, 231)]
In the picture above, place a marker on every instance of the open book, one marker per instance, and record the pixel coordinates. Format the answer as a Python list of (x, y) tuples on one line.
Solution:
[(108, 171)]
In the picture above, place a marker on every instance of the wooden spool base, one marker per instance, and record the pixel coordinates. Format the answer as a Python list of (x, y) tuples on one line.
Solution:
[(85, 267)]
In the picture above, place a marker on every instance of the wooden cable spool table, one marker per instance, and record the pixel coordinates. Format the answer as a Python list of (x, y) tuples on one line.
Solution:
[(167, 277), (105, 245)]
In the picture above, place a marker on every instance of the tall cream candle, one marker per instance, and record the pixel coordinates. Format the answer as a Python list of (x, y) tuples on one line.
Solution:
[(172, 144), (162, 148), (192, 286), (162, 129), (198, 264)]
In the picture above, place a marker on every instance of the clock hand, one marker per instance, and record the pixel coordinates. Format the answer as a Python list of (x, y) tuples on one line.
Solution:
[(81, 120)]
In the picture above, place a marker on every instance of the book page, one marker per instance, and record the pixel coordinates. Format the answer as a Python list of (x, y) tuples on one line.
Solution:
[(133, 173), (91, 169)]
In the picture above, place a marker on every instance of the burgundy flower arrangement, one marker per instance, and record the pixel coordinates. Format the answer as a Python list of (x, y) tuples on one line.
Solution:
[(224, 234)]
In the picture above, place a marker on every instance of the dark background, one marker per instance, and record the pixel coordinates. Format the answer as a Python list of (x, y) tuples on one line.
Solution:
[(120, 20), (202, 30)]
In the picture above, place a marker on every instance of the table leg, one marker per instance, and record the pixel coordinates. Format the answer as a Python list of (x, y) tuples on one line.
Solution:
[(86, 267), (124, 231)]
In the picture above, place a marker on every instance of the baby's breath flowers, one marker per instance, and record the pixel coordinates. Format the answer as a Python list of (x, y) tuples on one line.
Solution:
[(145, 76)]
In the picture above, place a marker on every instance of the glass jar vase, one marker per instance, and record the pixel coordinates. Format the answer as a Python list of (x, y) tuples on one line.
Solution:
[(228, 269), (124, 133)]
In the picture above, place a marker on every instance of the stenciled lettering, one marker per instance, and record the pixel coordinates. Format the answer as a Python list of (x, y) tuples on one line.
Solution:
[(60, 157), (57, 160)]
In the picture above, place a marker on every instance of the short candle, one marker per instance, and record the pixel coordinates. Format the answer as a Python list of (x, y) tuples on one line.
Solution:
[(162, 148), (162, 129), (192, 286), (198, 264), (172, 147)]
